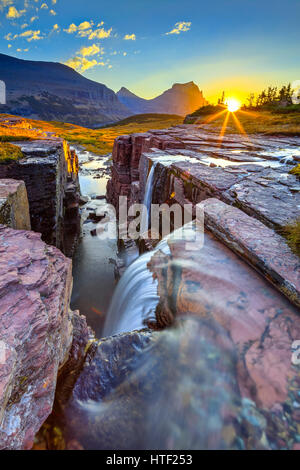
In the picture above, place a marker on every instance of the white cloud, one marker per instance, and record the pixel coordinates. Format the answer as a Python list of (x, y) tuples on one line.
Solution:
[(33, 18), (81, 64), (85, 30), (82, 27), (52, 12), (80, 61), (71, 29), (129, 37), (180, 27), (30, 35), (96, 34), (14, 13), (91, 50), (55, 29), (85, 25)]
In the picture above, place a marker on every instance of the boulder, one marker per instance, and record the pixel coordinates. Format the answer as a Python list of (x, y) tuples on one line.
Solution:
[(35, 332), (14, 207)]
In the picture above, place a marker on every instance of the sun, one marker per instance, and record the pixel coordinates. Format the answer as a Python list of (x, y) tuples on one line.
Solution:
[(232, 104)]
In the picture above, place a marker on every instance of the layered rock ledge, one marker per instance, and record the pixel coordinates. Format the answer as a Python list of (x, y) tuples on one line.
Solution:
[(249, 177), (192, 162), (211, 282), (259, 245), (36, 332), (49, 170)]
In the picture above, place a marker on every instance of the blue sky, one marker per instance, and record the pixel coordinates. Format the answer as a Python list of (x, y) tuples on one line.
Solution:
[(239, 46)]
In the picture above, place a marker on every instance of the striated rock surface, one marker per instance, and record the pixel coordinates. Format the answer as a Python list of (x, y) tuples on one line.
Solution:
[(192, 162), (50, 172), (211, 282), (262, 247), (35, 332), (14, 207)]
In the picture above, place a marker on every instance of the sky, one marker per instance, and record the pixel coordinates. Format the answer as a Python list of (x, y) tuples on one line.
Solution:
[(239, 46)]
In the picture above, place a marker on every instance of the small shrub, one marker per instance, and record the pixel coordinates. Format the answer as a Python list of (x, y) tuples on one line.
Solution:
[(9, 153), (295, 170), (13, 138), (292, 234)]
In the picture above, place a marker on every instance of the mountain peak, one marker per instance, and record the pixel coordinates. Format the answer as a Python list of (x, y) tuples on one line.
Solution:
[(125, 92), (184, 85), (54, 91), (181, 99)]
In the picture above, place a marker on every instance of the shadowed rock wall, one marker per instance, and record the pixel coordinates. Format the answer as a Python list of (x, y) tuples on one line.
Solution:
[(50, 172)]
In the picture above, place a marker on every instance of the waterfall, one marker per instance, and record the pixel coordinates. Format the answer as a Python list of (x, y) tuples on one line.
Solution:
[(146, 213), (135, 298)]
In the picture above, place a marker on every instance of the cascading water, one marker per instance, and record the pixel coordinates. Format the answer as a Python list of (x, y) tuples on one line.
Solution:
[(135, 298), (146, 213)]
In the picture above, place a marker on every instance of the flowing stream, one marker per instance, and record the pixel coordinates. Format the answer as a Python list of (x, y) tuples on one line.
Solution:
[(93, 261), (146, 213)]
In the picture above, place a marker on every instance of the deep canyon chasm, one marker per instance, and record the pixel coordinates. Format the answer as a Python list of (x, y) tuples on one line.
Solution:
[(198, 344)]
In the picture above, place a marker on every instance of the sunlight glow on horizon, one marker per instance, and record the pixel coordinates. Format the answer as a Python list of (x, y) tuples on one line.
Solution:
[(233, 104)]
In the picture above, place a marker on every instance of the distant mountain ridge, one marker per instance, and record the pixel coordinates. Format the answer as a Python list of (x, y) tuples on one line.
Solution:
[(181, 99), (53, 91)]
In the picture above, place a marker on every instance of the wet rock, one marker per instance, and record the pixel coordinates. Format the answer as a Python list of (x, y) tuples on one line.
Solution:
[(35, 332), (83, 200), (198, 404), (262, 247), (261, 186), (128, 252), (95, 218), (14, 207), (269, 197), (211, 282)]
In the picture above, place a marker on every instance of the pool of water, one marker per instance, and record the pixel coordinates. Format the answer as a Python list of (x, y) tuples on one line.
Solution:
[(93, 261)]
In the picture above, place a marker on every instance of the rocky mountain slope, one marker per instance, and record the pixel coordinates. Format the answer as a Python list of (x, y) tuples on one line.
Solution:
[(182, 98), (53, 91)]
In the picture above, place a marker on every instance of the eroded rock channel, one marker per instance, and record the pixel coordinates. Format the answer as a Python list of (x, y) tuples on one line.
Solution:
[(195, 347)]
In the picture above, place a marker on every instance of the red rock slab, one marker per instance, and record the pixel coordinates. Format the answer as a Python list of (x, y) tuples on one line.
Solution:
[(35, 332), (212, 281), (259, 245)]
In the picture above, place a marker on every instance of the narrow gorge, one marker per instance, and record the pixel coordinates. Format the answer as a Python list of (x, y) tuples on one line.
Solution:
[(172, 341)]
